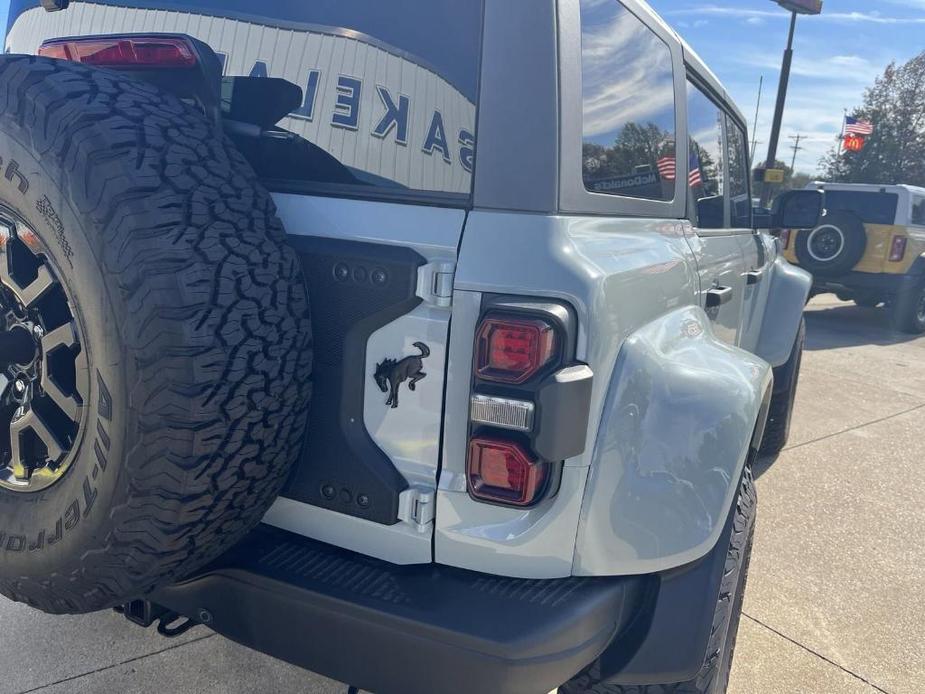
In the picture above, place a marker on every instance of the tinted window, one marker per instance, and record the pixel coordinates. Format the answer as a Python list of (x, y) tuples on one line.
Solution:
[(388, 88), (918, 211), (628, 105), (872, 208), (740, 197), (706, 170)]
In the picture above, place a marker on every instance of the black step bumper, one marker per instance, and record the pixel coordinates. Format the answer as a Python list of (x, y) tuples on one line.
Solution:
[(406, 629)]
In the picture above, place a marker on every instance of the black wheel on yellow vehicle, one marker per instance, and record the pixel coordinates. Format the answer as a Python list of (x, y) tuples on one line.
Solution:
[(835, 246), (909, 310)]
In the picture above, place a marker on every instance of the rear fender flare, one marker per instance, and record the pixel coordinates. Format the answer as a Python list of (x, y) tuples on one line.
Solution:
[(682, 414), (787, 297)]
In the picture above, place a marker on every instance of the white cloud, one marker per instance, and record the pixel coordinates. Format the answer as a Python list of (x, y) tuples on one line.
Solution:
[(842, 17)]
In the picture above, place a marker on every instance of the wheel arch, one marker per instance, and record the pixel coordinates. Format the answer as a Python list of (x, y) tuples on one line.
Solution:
[(654, 501)]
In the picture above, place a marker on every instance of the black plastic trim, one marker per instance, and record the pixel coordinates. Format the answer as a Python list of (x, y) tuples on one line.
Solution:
[(355, 289), (667, 642), (406, 629), (563, 408), (887, 283)]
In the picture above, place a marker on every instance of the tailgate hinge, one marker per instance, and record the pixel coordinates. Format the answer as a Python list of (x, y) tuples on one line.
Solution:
[(435, 283), (417, 506)]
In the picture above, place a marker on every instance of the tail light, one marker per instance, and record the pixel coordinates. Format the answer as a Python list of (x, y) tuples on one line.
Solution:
[(134, 52), (898, 249), (785, 238), (513, 350), (505, 472), (521, 347)]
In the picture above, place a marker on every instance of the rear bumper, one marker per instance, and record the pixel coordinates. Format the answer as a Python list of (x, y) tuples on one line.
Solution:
[(408, 629), (878, 284)]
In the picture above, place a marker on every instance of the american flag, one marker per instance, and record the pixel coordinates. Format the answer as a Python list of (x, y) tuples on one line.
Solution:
[(694, 178), (667, 168), (853, 126)]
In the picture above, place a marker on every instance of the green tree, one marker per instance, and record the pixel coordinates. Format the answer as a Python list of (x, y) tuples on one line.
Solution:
[(636, 145), (895, 153)]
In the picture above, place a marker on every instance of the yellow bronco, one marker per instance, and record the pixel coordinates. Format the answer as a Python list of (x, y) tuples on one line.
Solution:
[(868, 248)]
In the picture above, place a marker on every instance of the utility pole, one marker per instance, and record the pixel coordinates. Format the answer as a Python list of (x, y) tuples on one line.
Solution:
[(755, 127), (779, 108), (796, 148), (795, 7)]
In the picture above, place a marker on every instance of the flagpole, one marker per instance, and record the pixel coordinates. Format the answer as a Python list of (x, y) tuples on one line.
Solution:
[(841, 139)]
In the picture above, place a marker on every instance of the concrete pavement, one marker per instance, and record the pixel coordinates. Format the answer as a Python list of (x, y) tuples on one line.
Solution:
[(834, 602)]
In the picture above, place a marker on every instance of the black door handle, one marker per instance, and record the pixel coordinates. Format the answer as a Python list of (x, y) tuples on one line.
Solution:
[(719, 296), (753, 276)]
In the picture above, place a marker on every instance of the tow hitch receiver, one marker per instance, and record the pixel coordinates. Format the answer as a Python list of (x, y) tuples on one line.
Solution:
[(144, 613)]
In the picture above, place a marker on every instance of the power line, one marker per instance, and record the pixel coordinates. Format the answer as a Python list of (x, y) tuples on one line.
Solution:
[(796, 148), (755, 142)]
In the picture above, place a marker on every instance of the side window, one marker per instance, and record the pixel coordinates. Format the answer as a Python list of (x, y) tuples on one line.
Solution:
[(918, 211), (707, 168), (628, 105), (740, 197)]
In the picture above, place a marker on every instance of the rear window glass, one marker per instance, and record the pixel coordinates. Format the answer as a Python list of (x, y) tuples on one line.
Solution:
[(628, 105), (918, 211), (389, 88), (872, 208)]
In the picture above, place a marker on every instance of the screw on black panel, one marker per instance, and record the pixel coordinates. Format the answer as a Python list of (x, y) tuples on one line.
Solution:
[(328, 491), (363, 501)]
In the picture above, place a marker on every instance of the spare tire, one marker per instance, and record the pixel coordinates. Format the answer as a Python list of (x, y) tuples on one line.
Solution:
[(835, 246), (155, 385)]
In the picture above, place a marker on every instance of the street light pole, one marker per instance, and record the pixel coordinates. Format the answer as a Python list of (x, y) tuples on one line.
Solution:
[(779, 108)]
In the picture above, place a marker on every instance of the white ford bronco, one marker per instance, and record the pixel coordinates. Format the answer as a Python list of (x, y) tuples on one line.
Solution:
[(424, 344)]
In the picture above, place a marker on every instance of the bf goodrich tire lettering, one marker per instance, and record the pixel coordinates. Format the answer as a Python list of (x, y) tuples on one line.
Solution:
[(193, 328)]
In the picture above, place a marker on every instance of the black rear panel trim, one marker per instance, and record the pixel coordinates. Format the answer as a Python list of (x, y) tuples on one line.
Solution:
[(355, 288)]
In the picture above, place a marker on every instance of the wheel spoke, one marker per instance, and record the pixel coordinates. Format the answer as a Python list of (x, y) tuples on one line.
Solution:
[(60, 338), (32, 421), (37, 288), (30, 293)]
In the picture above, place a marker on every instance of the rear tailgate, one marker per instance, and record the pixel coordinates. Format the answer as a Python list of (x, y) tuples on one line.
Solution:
[(371, 168)]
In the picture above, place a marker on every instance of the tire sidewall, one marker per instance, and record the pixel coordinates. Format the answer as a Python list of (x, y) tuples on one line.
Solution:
[(48, 530)]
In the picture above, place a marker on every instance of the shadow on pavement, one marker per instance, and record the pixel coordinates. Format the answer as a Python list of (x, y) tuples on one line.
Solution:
[(762, 465), (850, 326)]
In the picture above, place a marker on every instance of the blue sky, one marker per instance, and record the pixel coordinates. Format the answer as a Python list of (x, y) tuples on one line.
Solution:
[(836, 55)]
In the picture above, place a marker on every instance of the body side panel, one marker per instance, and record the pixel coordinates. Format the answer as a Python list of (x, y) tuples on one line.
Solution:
[(619, 275)]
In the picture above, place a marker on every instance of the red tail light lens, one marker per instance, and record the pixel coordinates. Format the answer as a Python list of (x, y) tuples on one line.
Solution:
[(511, 350), (504, 472), (898, 249), (785, 239), (123, 51)]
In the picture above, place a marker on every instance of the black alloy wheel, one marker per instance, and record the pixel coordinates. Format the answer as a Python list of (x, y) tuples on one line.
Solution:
[(43, 367)]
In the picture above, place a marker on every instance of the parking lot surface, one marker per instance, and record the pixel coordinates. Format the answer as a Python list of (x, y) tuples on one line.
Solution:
[(834, 602)]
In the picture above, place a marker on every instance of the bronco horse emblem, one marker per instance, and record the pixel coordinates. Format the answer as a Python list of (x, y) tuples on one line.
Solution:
[(390, 374)]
